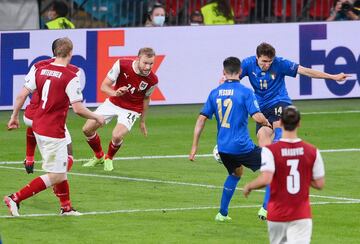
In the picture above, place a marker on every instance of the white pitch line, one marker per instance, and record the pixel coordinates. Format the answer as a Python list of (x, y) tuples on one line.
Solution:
[(181, 156), (172, 182), (160, 210)]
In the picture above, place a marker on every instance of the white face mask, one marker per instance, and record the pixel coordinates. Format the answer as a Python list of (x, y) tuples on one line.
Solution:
[(159, 20)]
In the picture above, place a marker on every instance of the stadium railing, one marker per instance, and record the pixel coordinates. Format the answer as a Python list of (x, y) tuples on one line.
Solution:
[(133, 13)]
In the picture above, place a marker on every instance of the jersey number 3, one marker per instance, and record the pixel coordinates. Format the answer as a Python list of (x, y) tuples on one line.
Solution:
[(293, 179), (223, 118)]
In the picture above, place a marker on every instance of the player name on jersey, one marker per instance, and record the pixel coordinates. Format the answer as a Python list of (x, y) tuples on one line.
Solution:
[(292, 151), (53, 73), (226, 92)]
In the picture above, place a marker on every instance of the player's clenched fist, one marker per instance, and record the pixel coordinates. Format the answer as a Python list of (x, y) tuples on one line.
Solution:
[(121, 91)]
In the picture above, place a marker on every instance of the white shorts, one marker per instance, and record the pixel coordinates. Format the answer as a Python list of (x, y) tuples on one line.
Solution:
[(53, 152), (292, 232), (28, 122), (124, 116)]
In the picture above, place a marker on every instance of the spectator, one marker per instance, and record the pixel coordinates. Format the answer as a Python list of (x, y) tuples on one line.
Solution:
[(156, 16), (345, 10), (57, 16), (218, 12), (196, 18)]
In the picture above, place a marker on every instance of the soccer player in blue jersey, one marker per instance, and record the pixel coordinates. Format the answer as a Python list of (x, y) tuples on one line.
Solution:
[(231, 103), (266, 73)]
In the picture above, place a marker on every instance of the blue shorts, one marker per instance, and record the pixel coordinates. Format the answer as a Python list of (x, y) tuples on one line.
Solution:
[(273, 113), (251, 160)]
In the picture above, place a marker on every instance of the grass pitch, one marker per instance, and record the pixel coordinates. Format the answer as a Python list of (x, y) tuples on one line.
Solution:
[(168, 199)]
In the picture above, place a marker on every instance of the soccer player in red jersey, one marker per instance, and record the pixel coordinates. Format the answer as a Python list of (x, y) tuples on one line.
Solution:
[(59, 87), (29, 114), (291, 166), (129, 85)]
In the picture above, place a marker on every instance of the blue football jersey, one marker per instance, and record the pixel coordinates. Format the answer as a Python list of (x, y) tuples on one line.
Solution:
[(269, 86), (231, 103)]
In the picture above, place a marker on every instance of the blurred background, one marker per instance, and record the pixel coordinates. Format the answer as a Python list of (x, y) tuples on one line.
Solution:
[(34, 14)]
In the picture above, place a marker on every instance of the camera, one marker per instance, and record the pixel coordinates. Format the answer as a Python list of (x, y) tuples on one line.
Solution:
[(345, 7)]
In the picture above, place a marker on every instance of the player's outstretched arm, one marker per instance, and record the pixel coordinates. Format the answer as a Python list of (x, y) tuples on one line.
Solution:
[(19, 102), (199, 126), (261, 119), (262, 180), (322, 75), (84, 112)]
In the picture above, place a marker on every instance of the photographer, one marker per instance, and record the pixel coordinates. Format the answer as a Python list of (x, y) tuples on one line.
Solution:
[(345, 10)]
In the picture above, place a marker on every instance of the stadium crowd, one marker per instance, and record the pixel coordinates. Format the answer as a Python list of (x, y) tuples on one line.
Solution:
[(60, 14)]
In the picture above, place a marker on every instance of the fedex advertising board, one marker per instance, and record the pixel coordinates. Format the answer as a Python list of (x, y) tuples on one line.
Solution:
[(189, 59)]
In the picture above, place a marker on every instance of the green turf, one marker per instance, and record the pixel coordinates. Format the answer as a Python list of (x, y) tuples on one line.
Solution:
[(164, 210)]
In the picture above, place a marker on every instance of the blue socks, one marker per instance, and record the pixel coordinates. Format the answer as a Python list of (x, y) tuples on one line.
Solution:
[(278, 133), (277, 136), (228, 191), (266, 197)]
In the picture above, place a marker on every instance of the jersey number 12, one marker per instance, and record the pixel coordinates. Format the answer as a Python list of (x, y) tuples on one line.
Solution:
[(223, 118)]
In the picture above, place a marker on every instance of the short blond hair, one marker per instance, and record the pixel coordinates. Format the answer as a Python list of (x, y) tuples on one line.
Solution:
[(147, 51), (62, 47)]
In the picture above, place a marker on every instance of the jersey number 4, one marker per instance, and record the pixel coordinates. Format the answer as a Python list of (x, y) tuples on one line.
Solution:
[(293, 179), (228, 105), (45, 93)]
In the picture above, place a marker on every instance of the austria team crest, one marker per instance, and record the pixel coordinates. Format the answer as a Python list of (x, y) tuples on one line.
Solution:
[(143, 85)]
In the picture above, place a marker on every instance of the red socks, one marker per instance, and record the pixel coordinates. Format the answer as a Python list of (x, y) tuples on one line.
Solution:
[(30, 145), (35, 186), (112, 149), (62, 191), (95, 144)]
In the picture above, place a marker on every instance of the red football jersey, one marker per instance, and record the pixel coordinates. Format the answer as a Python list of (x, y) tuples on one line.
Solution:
[(123, 74), (58, 87), (35, 99), (294, 163)]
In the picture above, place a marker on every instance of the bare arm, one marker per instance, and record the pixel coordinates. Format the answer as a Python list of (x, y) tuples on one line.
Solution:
[(321, 75), (334, 11), (260, 118), (84, 112), (318, 183), (19, 102), (106, 87), (143, 116), (199, 126), (351, 15), (262, 180)]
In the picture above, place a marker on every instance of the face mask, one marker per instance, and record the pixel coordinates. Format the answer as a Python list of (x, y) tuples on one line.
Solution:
[(159, 20)]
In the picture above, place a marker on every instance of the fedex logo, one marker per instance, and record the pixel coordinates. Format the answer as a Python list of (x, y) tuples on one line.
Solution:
[(95, 63), (309, 57)]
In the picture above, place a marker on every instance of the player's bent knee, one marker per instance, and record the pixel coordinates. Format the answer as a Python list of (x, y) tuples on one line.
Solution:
[(264, 136), (239, 171), (117, 139), (88, 130), (56, 178)]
